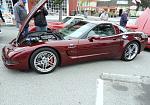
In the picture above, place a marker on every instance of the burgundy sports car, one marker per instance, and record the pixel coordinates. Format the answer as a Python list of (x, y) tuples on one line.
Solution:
[(84, 41)]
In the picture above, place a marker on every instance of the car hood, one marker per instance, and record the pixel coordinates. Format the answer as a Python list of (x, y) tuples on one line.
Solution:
[(29, 16)]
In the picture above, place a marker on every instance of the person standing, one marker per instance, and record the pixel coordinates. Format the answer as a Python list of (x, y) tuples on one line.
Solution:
[(124, 19), (1, 16), (40, 19), (20, 14), (104, 16), (85, 14)]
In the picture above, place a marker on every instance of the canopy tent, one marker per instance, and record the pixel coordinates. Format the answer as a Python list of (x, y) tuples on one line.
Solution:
[(143, 22)]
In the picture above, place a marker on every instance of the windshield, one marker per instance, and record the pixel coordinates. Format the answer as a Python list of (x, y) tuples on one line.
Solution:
[(66, 19), (77, 30)]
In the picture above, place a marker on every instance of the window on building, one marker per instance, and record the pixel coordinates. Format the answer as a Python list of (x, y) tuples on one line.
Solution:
[(55, 8)]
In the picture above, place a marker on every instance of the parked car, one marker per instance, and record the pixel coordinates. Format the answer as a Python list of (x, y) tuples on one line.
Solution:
[(84, 41), (67, 21)]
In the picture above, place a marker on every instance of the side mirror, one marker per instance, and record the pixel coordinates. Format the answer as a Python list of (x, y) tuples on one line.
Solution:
[(94, 37)]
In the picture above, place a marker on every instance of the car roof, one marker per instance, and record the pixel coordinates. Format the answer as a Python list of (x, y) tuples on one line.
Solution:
[(99, 22)]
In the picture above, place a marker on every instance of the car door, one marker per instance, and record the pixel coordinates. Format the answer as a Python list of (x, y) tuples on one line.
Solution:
[(104, 42)]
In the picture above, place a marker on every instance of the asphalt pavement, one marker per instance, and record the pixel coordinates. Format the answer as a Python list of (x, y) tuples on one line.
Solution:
[(72, 84)]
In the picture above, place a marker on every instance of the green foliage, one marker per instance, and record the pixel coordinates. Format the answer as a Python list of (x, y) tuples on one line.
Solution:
[(58, 1)]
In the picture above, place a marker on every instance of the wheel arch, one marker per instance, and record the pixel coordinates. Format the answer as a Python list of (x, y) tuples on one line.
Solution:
[(125, 44), (128, 44), (45, 47)]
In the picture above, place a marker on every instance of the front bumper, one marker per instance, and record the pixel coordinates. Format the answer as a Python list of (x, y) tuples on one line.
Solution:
[(10, 60)]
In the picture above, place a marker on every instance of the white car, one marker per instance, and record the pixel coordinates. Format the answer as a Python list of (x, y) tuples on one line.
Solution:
[(72, 20)]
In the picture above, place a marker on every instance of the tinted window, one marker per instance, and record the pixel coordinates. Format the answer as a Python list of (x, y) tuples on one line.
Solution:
[(102, 30)]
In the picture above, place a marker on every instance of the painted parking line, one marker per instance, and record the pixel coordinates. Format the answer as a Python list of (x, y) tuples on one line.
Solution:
[(121, 87), (100, 94)]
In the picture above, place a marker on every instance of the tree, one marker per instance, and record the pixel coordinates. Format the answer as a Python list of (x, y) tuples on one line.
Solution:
[(59, 2)]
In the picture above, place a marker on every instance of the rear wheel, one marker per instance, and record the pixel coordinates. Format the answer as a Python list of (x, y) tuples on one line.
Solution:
[(131, 51), (44, 60)]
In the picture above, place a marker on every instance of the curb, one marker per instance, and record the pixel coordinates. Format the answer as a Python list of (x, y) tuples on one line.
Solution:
[(125, 78)]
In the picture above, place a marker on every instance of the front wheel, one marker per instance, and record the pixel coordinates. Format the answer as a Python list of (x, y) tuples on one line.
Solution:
[(131, 51), (44, 60)]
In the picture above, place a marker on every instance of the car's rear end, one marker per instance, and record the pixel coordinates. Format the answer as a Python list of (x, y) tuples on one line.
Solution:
[(148, 43), (143, 41)]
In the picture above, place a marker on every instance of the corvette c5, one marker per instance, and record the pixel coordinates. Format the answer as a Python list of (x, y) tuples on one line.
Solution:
[(84, 41)]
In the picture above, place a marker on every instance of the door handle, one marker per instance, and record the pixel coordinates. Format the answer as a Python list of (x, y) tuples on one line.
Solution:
[(72, 46), (114, 38)]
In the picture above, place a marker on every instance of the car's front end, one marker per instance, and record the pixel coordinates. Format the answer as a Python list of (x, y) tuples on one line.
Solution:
[(15, 57)]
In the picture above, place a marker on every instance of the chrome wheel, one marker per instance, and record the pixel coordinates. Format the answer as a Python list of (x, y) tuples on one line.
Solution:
[(131, 51), (45, 61)]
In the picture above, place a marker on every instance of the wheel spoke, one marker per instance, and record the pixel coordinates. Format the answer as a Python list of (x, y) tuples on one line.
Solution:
[(127, 53), (38, 63), (45, 66), (130, 56)]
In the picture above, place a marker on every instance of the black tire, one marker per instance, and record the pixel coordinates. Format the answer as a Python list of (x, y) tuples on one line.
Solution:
[(44, 60), (130, 55)]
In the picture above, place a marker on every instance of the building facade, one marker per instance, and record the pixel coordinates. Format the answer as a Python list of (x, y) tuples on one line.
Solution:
[(67, 6), (114, 7)]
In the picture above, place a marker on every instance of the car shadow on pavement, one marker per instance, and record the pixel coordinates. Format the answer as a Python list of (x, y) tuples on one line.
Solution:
[(147, 50), (79, 64)]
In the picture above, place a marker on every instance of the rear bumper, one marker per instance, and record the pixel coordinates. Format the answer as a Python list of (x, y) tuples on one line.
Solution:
[(148, 43)]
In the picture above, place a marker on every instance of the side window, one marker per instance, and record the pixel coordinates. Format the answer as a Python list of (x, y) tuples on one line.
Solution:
[(106, 30), (94, 31), (102, 30)]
